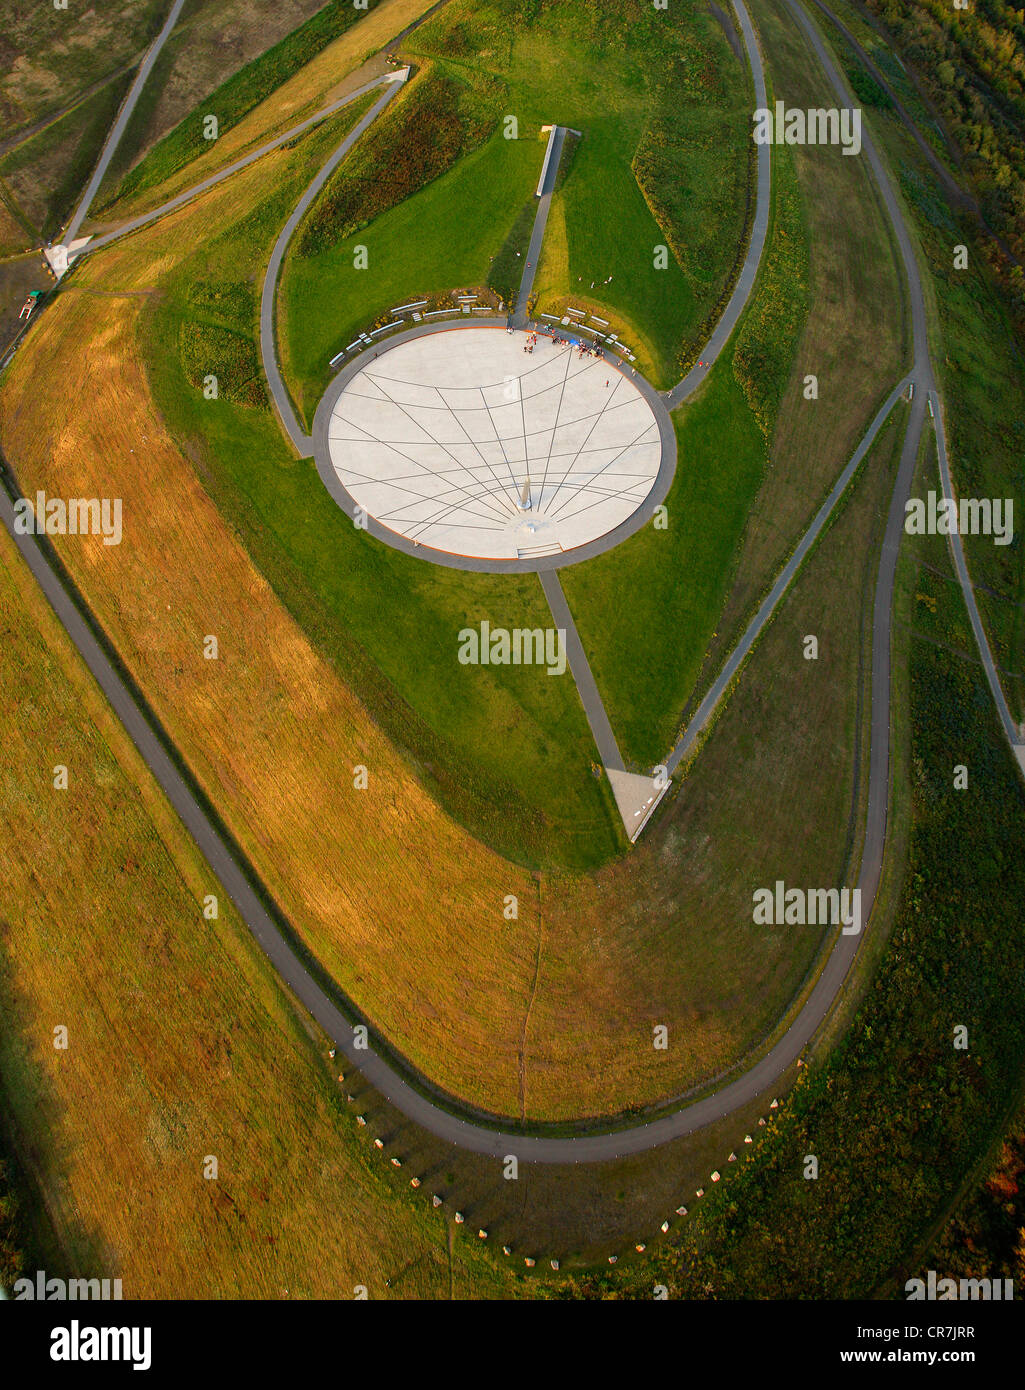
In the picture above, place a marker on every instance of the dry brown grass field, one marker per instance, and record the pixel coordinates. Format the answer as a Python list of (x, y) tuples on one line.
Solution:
[(49, 57), (13, 236), (181, 1043), (210, 42), (187, 1048)]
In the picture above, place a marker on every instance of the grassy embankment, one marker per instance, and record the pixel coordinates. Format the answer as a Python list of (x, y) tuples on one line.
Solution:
[(978, 358), (66, 71), (898, 1118), (605, 74), (756, 458), (387, 892), (218, 50), (303, 72)]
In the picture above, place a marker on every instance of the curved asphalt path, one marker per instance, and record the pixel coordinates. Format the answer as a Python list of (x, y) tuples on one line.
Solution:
[(923, 375), (282, 401), (380, 1073), (749, 271)]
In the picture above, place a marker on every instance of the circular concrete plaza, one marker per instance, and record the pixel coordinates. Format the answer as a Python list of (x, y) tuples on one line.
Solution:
[(461, 442)]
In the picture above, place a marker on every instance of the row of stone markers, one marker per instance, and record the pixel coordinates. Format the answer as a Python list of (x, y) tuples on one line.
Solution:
[(529, 1261)]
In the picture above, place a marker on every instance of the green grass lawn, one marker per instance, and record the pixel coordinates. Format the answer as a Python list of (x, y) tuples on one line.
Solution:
[(645, 610), (602, 226), (670, 585), (687, 138), (507, 750), (443, 237)]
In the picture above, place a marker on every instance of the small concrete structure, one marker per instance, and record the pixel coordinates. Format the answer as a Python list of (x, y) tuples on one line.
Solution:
[(636, 797), (553, 143)]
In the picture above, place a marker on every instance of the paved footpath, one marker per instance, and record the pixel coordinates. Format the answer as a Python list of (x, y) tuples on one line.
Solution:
[(118, 128), (144, 219), (268, 302), (922, 371), (601, 729), (537, 236), (739, 655), (759, 227)]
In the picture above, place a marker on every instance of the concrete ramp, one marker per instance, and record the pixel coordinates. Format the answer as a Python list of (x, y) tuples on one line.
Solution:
[(636, 797)]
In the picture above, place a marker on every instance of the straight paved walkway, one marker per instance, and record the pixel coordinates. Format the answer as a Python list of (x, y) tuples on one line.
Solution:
[(604, 738), (537, 236), (770, 603), (118, 128), (172, 205)]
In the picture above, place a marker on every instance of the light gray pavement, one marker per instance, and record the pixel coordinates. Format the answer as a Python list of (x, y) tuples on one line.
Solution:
[(759, 227), (527, 565), (604, 738), (439, 437), (537, 236), (268, 344), (172, 205), (118, 128)]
